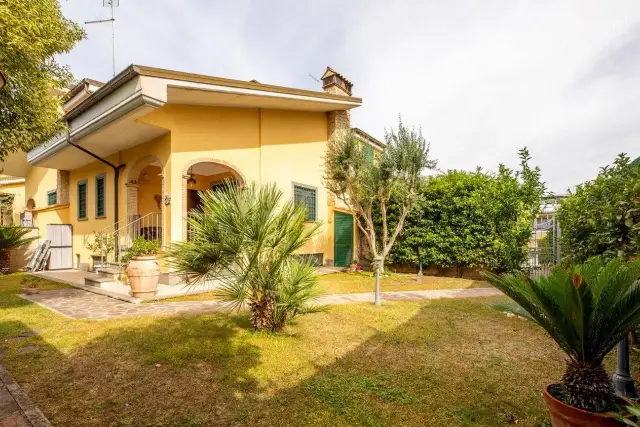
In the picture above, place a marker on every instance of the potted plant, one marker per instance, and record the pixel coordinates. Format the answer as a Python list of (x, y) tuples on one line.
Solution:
[(101, 246), (587, 309), (354, 266), (142, 268)]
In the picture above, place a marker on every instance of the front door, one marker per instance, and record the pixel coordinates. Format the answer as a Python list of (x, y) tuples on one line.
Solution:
[(61, 249), (342, 239)]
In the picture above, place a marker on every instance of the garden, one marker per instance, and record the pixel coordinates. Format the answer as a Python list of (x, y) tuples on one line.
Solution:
[(542, 356)]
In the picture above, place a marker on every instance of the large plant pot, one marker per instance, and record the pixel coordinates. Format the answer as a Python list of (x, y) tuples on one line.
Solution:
[(563, 415), (143, 273)]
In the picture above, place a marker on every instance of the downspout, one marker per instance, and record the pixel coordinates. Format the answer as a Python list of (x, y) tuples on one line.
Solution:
[(116, 181)]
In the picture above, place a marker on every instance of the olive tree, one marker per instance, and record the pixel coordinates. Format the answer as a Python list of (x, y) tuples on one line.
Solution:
[(365, 184)]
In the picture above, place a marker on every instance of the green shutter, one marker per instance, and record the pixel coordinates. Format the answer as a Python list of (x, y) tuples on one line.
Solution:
[(52, 198), (82, 200), (307, 197), (342, 239), (368, 153), (100, 196)]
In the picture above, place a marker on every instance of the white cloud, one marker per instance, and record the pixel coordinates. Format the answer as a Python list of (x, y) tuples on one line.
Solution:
[(482, 79)]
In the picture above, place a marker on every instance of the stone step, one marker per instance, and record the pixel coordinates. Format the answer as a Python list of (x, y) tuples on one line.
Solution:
[(109, 273), (97, 281)]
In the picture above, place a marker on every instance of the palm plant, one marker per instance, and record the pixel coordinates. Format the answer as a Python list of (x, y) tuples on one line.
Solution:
[(587, 309), (12, 237), (247, 239)]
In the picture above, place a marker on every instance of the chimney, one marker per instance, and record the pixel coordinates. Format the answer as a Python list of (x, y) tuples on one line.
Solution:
[(335, 83), (338, 121)]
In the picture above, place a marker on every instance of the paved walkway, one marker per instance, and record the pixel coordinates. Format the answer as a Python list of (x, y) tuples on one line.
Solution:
[(16, 408), (79, 304)]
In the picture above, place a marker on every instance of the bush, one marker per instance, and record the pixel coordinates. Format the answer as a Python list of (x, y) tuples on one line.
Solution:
[(602, 216), (247, 239), (12, 237), (140, 246), (473, 219)]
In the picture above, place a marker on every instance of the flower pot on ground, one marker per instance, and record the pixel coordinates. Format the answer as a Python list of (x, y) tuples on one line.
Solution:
[(587, 309), (142, 267)]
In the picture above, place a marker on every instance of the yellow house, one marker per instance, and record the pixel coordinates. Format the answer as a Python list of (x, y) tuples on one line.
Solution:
[(140, 147), (11, 199)]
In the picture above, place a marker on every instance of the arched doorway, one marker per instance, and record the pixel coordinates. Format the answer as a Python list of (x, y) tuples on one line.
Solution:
[(145, 199), (201, 175)]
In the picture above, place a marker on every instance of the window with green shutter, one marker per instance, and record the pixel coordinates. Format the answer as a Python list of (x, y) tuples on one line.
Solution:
[(368, 152), (306, 196), (52, 197), (82, 199), (100, 195)]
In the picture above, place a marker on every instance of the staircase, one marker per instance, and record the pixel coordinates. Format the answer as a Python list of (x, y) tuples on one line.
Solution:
[(116, 239)]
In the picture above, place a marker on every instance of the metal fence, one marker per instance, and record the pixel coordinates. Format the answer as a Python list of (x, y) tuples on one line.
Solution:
[(544, 246)]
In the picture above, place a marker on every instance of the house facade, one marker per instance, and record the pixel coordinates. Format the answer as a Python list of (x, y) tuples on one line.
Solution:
[(140, 147)]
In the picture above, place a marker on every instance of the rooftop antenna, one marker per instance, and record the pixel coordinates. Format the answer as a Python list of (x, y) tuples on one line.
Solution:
[(310, 75), (110, 4)]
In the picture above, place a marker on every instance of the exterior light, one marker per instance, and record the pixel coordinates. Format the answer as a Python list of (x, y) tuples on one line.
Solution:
[(3, 80)]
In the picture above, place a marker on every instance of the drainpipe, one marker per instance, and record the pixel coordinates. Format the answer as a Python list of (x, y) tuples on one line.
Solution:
[(116, 181)]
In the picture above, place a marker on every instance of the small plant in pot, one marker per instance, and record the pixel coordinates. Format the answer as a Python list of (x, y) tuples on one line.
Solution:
[(142, 267), (101, 246), (587, 309)]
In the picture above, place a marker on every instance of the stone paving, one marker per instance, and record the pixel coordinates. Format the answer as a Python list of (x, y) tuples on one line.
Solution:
[(16, 408), (79, 304)]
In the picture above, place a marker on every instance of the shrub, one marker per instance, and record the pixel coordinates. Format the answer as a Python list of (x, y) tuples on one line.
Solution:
[(602, 216), (12, 237), (247, 239), (140, 246), (587, 309), (473, 219)]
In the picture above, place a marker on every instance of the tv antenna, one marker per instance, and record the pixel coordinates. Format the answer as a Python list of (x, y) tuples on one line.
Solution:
[(110, 4)]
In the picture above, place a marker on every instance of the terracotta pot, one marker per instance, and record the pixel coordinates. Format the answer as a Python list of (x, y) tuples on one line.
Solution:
[(563, 415), (144, 274)]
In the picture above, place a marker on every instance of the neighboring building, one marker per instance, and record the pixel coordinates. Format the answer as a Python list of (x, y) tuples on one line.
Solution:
[(141, 146), (11, 199)]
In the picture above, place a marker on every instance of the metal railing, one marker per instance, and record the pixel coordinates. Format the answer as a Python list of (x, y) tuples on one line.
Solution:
[(116, 239)]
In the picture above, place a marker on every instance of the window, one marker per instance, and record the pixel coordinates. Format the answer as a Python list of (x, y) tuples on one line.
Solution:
[(306, 196), (368, 152), (52, 197), (100, 195), (82, 199)]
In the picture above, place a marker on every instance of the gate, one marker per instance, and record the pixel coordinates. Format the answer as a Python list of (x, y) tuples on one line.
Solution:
[(543, 250), (61, 249)]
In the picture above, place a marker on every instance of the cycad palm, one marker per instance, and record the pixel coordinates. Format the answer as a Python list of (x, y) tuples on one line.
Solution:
[(247, 239), (586, 309)]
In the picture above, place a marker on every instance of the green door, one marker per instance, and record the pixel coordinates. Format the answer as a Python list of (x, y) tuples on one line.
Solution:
[(342, 239)]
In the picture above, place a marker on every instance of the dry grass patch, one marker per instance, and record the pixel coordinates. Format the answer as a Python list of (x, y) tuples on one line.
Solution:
[(349, 283), (436, 363)]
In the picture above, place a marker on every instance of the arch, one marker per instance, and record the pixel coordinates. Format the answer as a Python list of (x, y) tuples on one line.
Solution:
[(31, 204), (132, 185), (241, 180)]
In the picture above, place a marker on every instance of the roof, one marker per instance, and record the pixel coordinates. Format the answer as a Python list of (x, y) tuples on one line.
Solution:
[(82, 84), (331, 72), (133, 71), (368, 137), (8, 179)]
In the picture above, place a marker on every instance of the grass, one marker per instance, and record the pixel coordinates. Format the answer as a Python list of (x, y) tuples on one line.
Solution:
[(348, 283), (436, 363)]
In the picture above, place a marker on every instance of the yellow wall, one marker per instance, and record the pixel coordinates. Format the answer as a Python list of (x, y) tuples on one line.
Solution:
[(38, 182), (148, 189), (265, 146)]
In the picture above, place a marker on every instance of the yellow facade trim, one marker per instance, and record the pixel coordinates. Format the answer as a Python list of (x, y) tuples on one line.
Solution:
[(51, 208)]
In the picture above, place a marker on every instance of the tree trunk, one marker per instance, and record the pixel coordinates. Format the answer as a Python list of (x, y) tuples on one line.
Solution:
[(262, 313), (588, 387)]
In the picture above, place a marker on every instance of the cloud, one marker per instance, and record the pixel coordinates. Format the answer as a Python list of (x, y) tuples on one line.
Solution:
[(482, 79)]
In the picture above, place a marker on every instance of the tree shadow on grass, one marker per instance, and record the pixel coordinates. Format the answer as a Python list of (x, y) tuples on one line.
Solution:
[(173, 371)]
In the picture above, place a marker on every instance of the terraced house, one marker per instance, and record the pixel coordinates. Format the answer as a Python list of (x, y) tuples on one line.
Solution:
[(141, 147)]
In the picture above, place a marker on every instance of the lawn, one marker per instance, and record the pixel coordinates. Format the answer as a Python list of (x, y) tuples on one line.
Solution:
[(431, 363), (348, 283)]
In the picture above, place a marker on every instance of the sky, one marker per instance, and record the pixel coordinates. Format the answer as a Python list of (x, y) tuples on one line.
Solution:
[(482, 79)]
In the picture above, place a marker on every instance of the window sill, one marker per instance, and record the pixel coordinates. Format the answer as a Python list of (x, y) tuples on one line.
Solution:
[(83, 219), (101, 217)]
